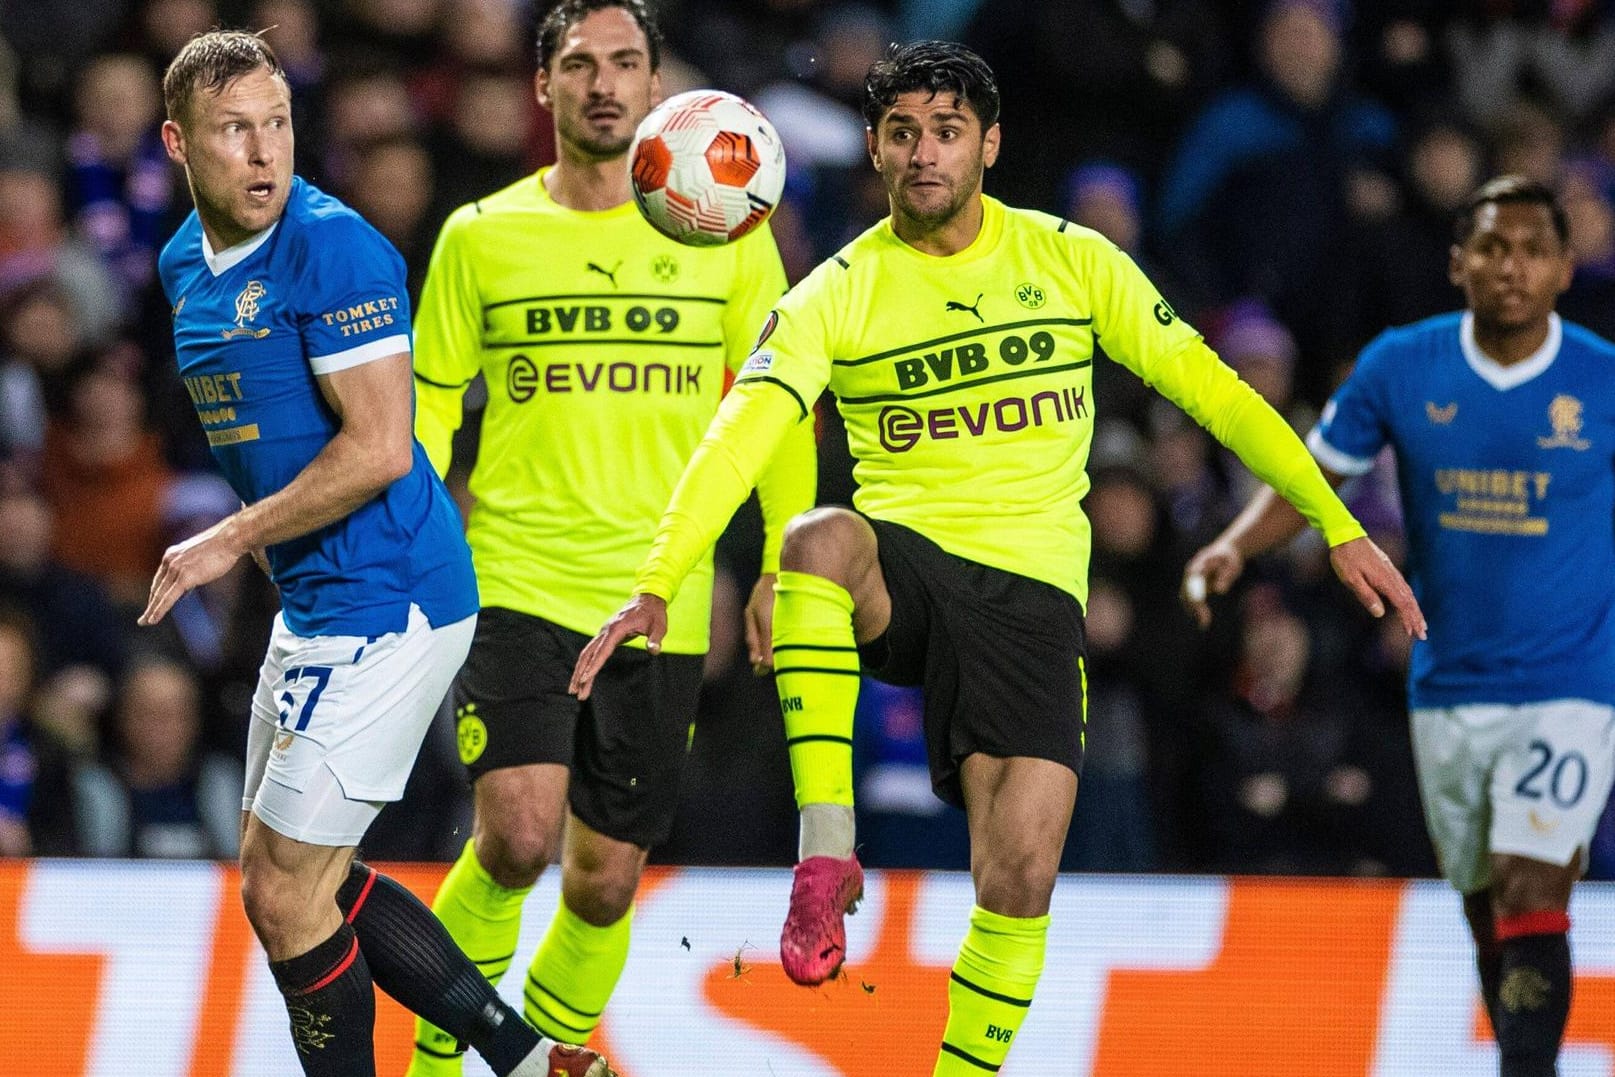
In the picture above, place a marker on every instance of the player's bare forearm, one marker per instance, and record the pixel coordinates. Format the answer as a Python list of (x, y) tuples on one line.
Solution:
[(1266, 522), (344, 476)]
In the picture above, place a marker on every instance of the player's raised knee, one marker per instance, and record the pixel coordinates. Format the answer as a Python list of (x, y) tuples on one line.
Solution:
[(827, 542)]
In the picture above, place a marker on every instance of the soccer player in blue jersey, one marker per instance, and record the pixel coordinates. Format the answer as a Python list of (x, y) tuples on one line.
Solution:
[(1502, 418), (292, 328)]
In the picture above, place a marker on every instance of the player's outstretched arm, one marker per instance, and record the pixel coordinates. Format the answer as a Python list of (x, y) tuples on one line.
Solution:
[(644, 615), (372, 448), (1266, 523)]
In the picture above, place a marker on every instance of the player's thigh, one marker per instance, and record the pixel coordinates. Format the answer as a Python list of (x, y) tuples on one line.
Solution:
[(1452, 752), (1551, 780), (511, 704), (1011, 681), (351, 712), (633, 740)]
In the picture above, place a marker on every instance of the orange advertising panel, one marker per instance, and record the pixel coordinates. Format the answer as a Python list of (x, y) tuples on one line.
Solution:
[(120, 969)]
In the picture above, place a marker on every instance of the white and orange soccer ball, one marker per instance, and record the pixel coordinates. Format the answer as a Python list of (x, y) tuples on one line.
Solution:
[(707, 167)]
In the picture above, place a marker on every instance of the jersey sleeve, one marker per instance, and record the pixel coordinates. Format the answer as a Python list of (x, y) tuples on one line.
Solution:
[(796, 344), (751, 423), (1352, 430), (772, 396), (448, 341), (1139, 329), (788, 484), (757, 283), (356, 303)]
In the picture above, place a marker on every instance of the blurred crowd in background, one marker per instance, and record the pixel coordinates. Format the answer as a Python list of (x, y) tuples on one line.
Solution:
[(1286, 172)]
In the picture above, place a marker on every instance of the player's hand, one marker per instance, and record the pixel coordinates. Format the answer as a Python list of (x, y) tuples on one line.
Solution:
[(1364, 568), (760, 625), (1211, 571), (198, 560), (645, 615)]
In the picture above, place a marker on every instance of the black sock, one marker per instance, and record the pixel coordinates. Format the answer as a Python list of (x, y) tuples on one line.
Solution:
[(1534, 1003), (1488, 951), (332, 1006), (413, 959)]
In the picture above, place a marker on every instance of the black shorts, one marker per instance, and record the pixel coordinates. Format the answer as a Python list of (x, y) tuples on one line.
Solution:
[(626, 744), (999, 657)]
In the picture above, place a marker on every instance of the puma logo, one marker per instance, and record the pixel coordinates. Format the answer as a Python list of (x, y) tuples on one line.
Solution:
[(609, 274), (954, 304)]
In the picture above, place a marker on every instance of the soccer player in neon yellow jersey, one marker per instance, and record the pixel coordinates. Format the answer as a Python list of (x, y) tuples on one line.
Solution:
[(958, 336), (605, 348)]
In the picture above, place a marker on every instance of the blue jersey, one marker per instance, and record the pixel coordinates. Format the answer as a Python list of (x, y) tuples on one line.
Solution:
[(1507, 476), (318, 292)]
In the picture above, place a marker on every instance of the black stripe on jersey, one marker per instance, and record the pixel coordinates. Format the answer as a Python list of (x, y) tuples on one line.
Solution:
[(572, 341), (796, 396), (840, 261), (897, 398), (442, 385), (662, 297), (980, 331), (1063, 226)]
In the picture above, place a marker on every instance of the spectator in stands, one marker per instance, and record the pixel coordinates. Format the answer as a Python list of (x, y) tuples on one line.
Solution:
[(35, 806), (393, 187), (35, 246), (1279, 779), (104, 476), (1588, 195), (1397, 271), (122, 190), (1260, 194), (1114, 78), (157, 794), (75, 623)]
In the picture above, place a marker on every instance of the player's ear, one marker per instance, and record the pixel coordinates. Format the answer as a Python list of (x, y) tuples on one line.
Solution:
[(541, 87), (174, 142), (1455, 265), (989, 146), (655, 88), (869, 147)]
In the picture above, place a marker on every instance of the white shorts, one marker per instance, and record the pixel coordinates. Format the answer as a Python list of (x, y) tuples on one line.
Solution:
[(1520, 779), (337, 722)]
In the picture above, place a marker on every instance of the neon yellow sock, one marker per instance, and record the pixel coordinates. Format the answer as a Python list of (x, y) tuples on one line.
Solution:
[(484, 919), (573, 974), (816, 672), (993, 979)]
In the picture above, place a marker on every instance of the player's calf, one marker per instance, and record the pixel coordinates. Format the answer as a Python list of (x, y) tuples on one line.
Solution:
[(416, 962)]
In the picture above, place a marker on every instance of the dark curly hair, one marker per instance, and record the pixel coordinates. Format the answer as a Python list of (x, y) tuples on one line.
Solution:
[(943, 67)]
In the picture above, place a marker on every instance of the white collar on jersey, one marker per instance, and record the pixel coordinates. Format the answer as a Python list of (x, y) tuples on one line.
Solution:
[(231, 257), (1503, 378)]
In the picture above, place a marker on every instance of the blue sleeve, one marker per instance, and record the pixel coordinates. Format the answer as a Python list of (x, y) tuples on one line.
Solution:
[(1353, 429), (355, 302)]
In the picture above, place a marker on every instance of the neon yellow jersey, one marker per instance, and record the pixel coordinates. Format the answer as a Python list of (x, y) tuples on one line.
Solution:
[(605, 348), (966, 385)]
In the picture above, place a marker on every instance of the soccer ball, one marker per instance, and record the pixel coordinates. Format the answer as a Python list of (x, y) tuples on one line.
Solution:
[(707, 168)]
